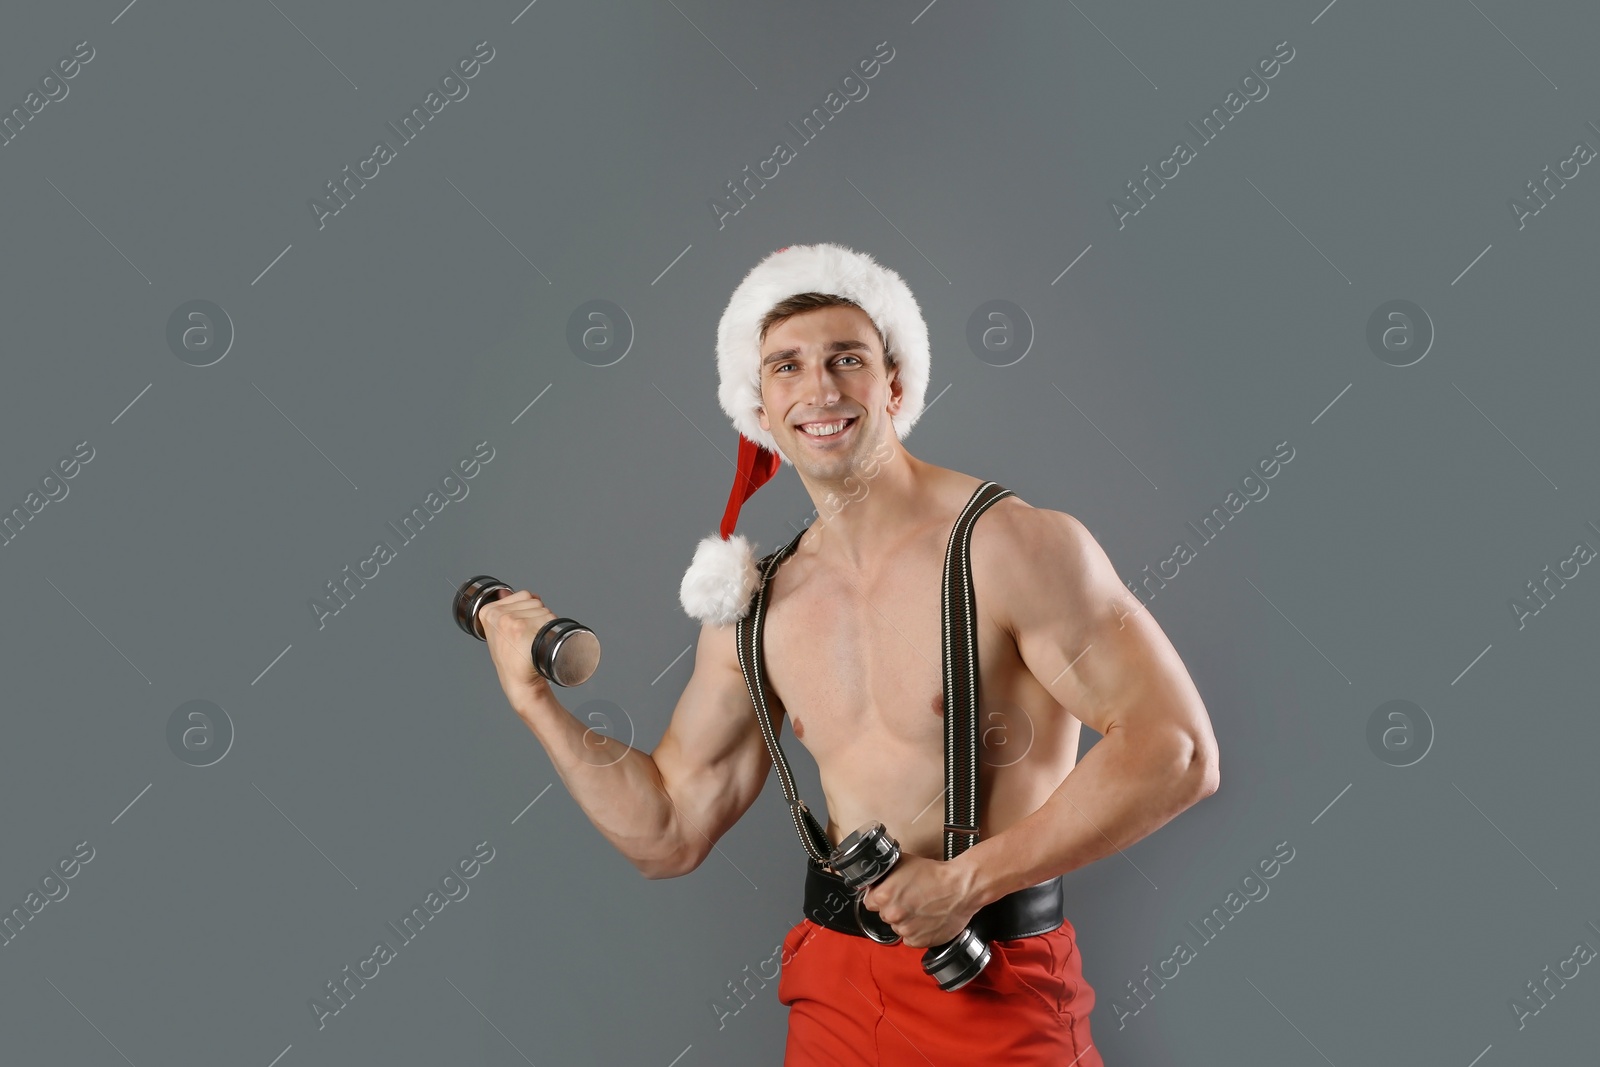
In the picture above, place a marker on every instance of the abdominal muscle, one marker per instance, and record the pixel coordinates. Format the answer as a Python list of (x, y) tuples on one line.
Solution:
[(878, 777), (856, 665)]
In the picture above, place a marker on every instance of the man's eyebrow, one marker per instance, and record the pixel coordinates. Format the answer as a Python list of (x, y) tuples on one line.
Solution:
[(831, 346)]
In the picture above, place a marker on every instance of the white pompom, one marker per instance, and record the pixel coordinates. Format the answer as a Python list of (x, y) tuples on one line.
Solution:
[(718, 585)]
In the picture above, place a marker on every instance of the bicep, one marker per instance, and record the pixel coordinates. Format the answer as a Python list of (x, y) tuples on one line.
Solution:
[(1090, 641), (712, 758)]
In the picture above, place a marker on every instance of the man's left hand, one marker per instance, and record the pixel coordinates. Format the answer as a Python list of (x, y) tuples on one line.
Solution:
[(927, 902)]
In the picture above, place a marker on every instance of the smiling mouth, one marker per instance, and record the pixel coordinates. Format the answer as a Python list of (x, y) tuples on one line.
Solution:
[(848, 423)]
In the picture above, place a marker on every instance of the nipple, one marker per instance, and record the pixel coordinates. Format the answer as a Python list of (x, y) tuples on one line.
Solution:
[(799, 729)]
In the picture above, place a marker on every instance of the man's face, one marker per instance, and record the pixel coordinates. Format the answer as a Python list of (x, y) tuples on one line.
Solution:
[(826, 366)]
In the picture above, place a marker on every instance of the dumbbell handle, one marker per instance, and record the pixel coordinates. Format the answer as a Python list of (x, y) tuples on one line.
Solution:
[(867, 856), (564, 651)]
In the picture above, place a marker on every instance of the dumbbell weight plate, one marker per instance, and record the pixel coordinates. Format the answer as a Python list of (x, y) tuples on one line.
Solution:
[(958, 961), (566, 652), (472, 595)]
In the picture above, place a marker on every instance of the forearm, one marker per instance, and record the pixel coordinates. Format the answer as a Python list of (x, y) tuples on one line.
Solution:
[(1123, 790), (618, 787)]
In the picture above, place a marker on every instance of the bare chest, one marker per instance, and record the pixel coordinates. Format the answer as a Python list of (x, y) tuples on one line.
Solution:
[(857, 661)]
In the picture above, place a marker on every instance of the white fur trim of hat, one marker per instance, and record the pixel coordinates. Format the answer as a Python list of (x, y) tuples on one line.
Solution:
[(720, 581)]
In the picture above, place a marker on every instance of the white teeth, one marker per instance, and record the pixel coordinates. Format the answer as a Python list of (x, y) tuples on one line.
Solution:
[(825, 429)]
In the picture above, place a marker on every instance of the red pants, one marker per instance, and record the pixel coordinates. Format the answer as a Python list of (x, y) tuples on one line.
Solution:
[(853, 1001)]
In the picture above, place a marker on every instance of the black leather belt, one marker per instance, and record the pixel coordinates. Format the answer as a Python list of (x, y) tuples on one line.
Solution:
[(1038, 909)]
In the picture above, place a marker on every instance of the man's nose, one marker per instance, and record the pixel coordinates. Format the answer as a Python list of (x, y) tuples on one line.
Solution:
[(822, 386)]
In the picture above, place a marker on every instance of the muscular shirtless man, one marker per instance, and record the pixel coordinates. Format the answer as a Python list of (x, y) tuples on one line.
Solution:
[(852, 656)]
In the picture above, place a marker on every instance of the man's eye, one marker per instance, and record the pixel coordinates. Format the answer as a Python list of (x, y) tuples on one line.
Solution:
[(779, 367)]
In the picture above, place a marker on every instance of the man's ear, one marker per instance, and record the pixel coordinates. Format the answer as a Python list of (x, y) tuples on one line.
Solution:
[(761, 414), (896, 392)]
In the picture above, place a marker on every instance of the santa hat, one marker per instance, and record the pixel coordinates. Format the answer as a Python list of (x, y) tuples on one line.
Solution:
[(719, 583)]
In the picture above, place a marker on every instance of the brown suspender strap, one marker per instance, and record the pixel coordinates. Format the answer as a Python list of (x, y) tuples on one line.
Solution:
[(960, 622), (960, 649)]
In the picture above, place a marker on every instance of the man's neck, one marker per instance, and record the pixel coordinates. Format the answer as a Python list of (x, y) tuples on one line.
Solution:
[(859, 523)]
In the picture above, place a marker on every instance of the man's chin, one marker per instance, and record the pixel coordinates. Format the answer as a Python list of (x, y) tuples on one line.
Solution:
[(833, 467)]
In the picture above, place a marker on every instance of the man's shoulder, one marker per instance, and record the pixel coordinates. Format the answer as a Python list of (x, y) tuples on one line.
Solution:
[(1018, 548), (1012, 530)]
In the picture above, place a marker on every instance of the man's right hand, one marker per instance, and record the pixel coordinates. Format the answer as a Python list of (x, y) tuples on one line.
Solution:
[(509, 626)]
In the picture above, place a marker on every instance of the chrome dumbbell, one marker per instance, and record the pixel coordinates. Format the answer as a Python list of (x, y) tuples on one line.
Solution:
[(564, 650), (863, 859)]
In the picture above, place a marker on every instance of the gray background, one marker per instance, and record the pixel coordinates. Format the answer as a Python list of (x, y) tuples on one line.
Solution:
[(1227, 316)]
